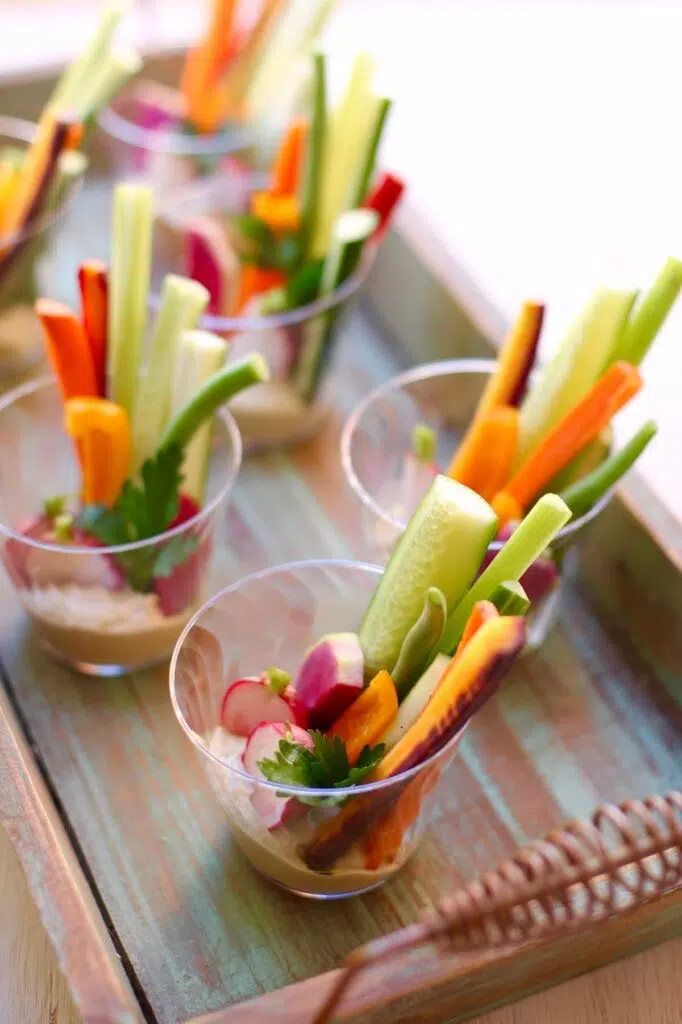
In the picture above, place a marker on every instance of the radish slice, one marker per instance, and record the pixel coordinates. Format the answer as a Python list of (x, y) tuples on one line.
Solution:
[(263, 743), (248, 703)]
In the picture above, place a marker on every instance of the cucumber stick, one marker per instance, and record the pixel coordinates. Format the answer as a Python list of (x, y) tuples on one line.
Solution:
[(650, 314), (526, 543), (415, 702), (348, 128), (131, 252), (77, 76), (112, 74), (351, 231), (182, 303), (510, 598), (443, 546), (201, 387), (574, 368)]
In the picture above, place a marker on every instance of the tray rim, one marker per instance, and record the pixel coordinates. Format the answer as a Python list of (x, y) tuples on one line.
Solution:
[(105, 993)]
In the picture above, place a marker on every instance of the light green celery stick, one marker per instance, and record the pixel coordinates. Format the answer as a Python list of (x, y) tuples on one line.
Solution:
[(420, 642), (314, 152), (131, 252), (581, 496), (110, 77), (419, 696), (369, 159), (443, 546), (526, 543), (347, 129), (76, 78), (510, 598), (295, 34), (650, 314), (182, 303), (574, 368), (351, 231), (197, 350)]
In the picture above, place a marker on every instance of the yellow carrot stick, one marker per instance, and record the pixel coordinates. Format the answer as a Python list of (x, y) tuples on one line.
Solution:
[(101, 430), (513, 363), (368, 717), (279, 212), (487, 465), (580, 426)]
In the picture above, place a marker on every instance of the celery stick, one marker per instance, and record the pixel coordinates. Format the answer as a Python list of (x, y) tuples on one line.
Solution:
[(420, 641), (348, 128), (182, 303), (351, 231), (648, 318), (77, 76), (315, 152), (366, 169), (581, 496), (526, 543), (110, 77), (131, 251), (215, 391), (443, 546), (510, 598), (574, 368)]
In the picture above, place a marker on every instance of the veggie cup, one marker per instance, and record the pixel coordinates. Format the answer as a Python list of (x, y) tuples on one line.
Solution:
[(298, 343), (377, 437), (102, 610), (28, 264), (273, 617)]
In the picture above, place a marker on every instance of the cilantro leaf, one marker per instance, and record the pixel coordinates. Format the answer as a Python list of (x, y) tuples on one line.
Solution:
[(326, 766), (173, 553), (151, 508), (105, 524)]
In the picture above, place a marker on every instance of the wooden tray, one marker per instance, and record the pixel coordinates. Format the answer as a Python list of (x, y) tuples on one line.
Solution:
[(155, 914)]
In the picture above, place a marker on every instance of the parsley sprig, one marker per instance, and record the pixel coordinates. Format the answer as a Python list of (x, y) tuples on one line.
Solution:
[(326, 766), (143, 511)]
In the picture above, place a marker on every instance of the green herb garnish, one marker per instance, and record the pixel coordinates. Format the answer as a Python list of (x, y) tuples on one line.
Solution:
[(326, 766)]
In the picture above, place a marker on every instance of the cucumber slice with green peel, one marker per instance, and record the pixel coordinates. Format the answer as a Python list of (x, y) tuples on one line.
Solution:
[(182, 303), (443, 546), (350, 234), (576, 365), (415, 702), (215, 391), (527, 542), (421, 640), (364, 180), (510, 598), (648, 318), (315, 152), (131, 251)]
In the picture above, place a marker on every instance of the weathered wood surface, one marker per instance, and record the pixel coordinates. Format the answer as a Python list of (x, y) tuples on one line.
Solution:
[(589, 719)]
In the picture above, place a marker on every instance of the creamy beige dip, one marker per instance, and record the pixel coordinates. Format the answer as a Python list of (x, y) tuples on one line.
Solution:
[(275, 853), (104, 627)]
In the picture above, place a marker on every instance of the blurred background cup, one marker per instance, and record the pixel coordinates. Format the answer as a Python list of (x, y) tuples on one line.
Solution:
[(30, 257), (378, 435)]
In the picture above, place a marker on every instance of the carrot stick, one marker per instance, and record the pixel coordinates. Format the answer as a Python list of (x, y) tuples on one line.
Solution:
[(288, 161), (220, 33), (67, 349), (256, 280), (503, 385), (93, 282), (580, 426), (9, 179), (368, 717), (279, 212), (482, 612), (486, 465), (384, 200), (242, 67), (468, 681), (101, 430)]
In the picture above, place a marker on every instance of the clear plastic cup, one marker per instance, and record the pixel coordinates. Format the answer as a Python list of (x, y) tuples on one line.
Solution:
[(83, 609), (30, 268), (271, 618), (294, 405), (378, 434)]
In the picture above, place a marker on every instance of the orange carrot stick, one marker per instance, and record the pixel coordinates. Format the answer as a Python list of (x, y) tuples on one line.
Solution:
[(93, 282), (67, 349), (582, 424), (486, 465), (482, 612), (279, 212), (256, 280), (287, 165), (102, 430), (512, 363), (368, 717), (220, 33), (9, 179)]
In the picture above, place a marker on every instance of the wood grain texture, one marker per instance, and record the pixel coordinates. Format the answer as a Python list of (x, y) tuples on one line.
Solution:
[(584, 721)]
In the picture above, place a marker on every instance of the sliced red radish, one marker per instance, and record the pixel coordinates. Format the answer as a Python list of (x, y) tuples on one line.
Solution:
[(188, 508), (330, 678), (183, 586), (14, 552), (262, 744), (250, 702), (275, 810), (39, 567)]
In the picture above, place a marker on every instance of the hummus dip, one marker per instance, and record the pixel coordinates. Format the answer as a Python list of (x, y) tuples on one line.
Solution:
[(275, 853)]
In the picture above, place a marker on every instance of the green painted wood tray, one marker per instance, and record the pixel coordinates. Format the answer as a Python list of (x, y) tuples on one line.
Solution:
[(155, 914)]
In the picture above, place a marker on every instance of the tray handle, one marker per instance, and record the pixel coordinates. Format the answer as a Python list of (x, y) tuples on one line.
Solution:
[(589, 870)]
